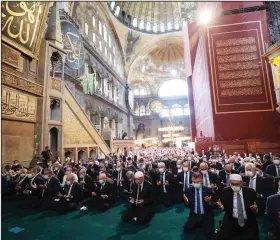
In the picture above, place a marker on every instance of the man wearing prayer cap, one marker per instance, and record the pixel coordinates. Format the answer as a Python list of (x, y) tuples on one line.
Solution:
[(141, 208), (239, 204)]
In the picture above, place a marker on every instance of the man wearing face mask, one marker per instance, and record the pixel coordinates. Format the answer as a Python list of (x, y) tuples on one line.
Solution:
[(239, 204), (50, 189), (68, 172), (103, 194), (141, 209), (184, 179), (58, 171), (274, 169), (86, 183), (241, 169), (165, 183), (258, 183), (224, 176), (33, 192), (70, 197), (210, 179), (128, 183), (21, 184), (199, 199), (234, 163), (119, 176), (179, 168)]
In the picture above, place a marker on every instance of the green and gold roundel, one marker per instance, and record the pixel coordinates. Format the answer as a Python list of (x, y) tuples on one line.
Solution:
[(156, 106)]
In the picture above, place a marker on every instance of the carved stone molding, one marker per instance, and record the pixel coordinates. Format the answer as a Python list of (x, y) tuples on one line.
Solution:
[(56, 84), (72, 150), (12, 57), (12, 80)]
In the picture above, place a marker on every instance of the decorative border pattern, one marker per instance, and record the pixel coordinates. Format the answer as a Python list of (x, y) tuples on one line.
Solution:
[(56, 84), (21, 83), (11, 57)]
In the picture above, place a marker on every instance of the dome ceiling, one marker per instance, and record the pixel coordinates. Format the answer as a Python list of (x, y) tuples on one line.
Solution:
[(151, 17)]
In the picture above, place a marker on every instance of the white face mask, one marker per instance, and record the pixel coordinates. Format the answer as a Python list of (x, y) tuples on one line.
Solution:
[(46, 176), (276, 162), (235, 188), (204, 172), (161, 170), (212, 170), (179, 166), (23, 175), (118, 169), (68, 182), (101, 181), (197, 185), (29, 175), (250, 174), (185, 169)]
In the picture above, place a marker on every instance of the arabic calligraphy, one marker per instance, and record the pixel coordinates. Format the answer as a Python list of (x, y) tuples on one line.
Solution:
[(18, 105), (21, 22), (73, 45)]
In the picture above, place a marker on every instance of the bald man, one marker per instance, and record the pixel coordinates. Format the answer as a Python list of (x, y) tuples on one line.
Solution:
[(239, 204), (103, 195), (141, 208), (165, 184), (70, 197)]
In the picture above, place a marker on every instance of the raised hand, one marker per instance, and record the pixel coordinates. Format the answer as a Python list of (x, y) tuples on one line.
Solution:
[(208, 198), (132, 200), (254, 207), (186, 200), (219, 204)]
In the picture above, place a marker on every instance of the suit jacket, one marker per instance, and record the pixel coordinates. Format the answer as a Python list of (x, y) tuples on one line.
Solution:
[(116, 174), (53, 187), (107, 189), (146, 194), (213, 178), (222, 175), (76, 192), (272, 205), (38, 180), (271, 170), (60, 174), (168, 177), (207, 206), (180, 177), (249, 197), (88, 186), (260, 183)]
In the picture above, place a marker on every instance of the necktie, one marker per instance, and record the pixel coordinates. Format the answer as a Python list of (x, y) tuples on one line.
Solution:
[(206, 180), (251, 183), (186, 181), (137, 193), (227, 176), (241, 222), (198, 202), (278, 168)]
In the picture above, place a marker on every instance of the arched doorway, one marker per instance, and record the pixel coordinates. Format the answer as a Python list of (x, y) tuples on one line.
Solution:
[(53, 139), (93, 154), (82, 154), (69, 154)]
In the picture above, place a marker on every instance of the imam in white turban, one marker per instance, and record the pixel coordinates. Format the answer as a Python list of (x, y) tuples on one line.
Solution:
[(235, 177), (139, 174)]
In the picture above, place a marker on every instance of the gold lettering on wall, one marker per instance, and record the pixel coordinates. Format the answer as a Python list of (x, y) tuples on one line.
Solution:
[(235, 41), (18, 105), (238, 49), (240, 83), (23, 23), (241, 92), (237, 58), (239, 74), (238, 66), (11, 57)]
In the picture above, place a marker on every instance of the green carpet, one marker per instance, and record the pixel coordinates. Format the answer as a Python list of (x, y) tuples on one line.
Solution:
[(167, 224)]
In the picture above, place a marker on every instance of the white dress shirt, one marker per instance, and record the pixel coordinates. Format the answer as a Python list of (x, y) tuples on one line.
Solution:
[(235, 209), (186, 178), (253, 182), (206, 176)]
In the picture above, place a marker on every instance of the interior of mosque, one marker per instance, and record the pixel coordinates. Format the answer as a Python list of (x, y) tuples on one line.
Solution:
[(88, 77)]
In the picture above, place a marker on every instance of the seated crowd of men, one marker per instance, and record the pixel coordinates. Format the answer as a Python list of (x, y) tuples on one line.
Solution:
[(244, 187)]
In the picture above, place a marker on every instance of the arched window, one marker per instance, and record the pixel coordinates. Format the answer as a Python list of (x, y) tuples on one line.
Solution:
[(141, 25), (105, 33), (134, 23), (155, 28), (142, 110), (136, 109), (176, 25), (117, 12), (173, 88), (86, 28), (162, 28), (148, 26), (176, 110), (136, 92), (93, 21), (165, 112), (112, 5), (186, 110), (169, 26), (100, 28)]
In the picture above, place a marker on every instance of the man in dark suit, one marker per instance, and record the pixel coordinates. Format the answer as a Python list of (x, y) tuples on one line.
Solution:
[(141, 209), (165, 185), (103, 194), (58, 171), (210, 179), (235, 165), (119, 175), (86, 183), (239, 204), (224, 176), (258, 183), (70, 197), (273, 214), (179, 168), (49, 190), (274, 169), (198, 199), (127, 184)]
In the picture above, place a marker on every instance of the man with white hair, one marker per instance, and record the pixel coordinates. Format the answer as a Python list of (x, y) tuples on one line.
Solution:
[(68, 172), (165, 183), (103, 194), (258, 183), (141, 208), (239, 204)]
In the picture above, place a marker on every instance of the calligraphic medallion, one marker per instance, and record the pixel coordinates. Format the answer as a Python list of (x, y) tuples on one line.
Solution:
[(22, 25), (156, 106), (73, 45)]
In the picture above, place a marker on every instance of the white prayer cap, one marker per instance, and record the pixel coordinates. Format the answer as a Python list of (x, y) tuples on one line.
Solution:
[(235, 177), (139, 174), (161, 164)]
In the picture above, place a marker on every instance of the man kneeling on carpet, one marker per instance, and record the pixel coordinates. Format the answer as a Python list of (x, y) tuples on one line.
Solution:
[(141, 209), (70, 197)]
